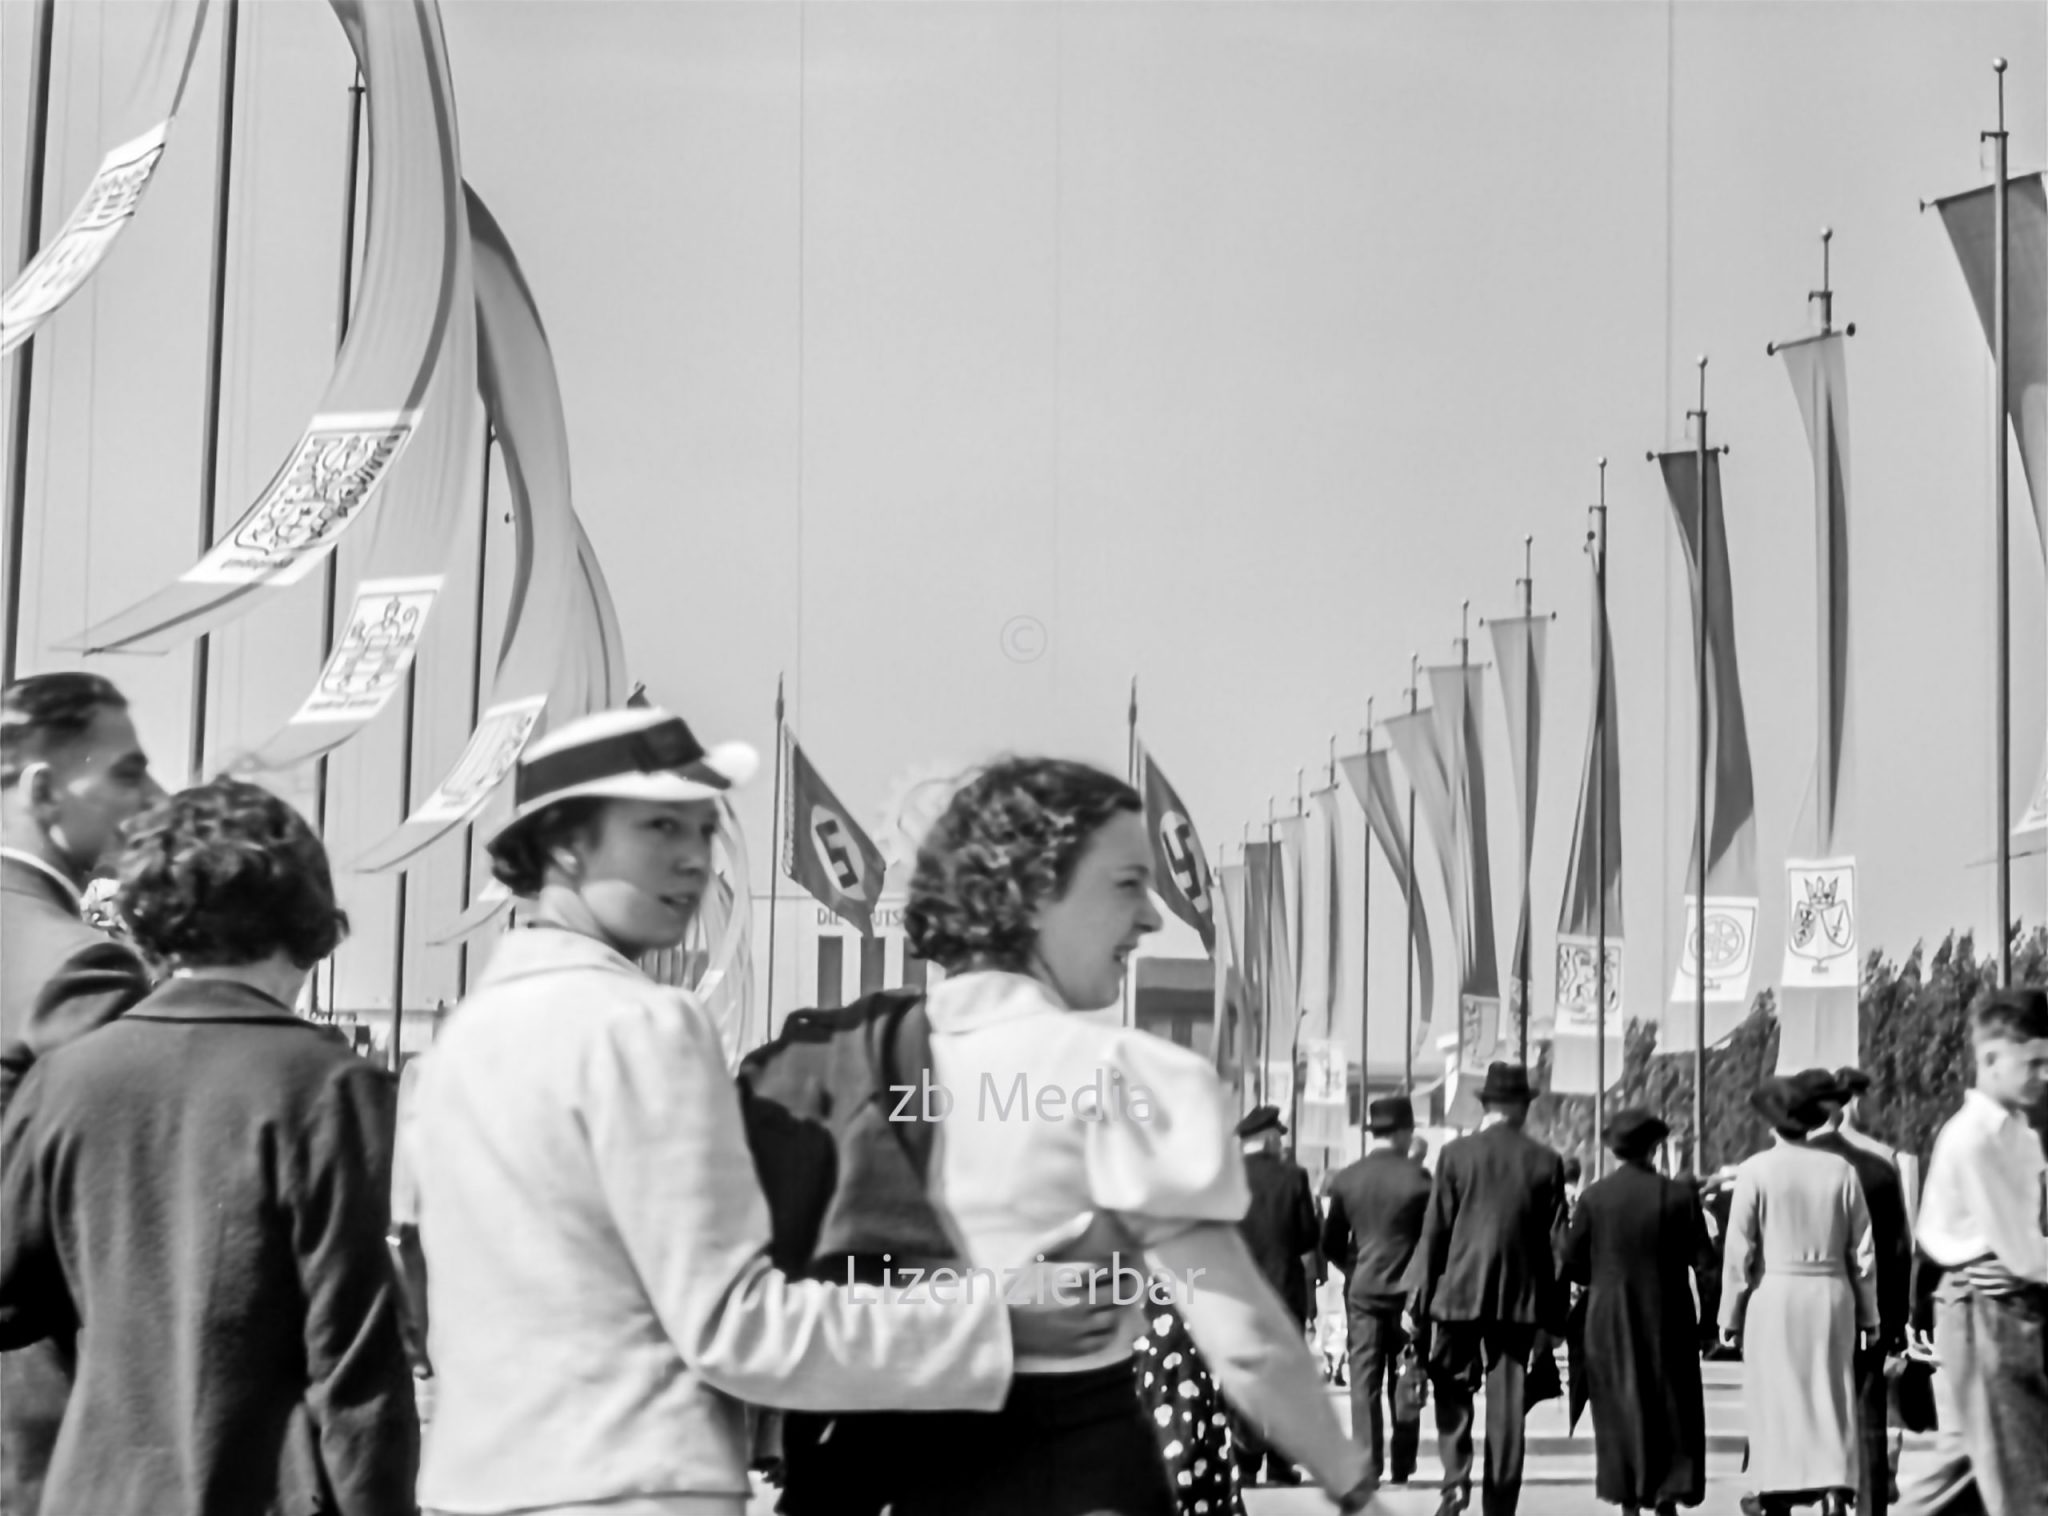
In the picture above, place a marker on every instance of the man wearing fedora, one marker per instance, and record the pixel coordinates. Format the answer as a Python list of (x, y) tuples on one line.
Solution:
[(1891, 1235), (1484, 1285), (1376, 1209), (1280, 1228)]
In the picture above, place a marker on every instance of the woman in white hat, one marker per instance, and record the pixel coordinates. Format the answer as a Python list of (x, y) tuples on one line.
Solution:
[(599, 1297)]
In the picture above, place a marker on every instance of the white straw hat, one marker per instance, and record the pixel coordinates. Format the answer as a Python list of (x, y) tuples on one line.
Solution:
[(638, 753)]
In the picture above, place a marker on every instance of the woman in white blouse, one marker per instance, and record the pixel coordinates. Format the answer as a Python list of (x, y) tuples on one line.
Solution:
[(1057, 1123)]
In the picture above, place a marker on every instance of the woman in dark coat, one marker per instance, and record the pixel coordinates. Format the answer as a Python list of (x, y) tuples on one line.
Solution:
[(1634, 1240)]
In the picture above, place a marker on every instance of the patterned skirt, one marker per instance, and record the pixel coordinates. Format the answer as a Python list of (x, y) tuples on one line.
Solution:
[(1188, 1414)]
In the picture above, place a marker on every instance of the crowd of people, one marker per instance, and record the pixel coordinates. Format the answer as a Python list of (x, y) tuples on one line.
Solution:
[(579, 1267)]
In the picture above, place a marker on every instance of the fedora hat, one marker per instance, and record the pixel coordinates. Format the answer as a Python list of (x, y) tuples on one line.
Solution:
[(1506, 1084), (636, 753), (1392, 1113), (1634, 1132), (1797, 1103), (1265, 1118)]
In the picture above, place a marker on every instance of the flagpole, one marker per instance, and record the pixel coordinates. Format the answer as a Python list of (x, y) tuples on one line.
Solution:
[(1364, 935), (1699, 1009), (1300, 944), (24, 361), (1528, 587), (1266, 1015), (774, 866), (216, 332), (1599, 536), (345, 300), (476, 689), (1408, 1055), (2001, 525), (1131, 777)]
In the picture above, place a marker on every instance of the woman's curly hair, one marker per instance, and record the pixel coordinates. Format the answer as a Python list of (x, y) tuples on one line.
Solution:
[(1007, 843), (519, 855), (226, 873)]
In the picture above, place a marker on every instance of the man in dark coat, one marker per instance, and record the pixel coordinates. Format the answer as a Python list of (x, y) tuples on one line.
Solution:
[(1636, 1239), (71, 772), (1375, 1219), (1281, 1228), (1484, 1284), (1891, 1236)]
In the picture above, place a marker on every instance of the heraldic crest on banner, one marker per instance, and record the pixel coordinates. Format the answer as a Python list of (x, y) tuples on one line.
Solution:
[(374, 650), (486, 759), (1820, 934), (86, 236), (1578, 984), (1731, 948), (1478, 1031), (330, 478)]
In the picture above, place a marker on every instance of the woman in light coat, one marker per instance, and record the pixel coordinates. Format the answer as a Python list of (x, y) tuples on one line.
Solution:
[(1799, 1297), (1032, 892)]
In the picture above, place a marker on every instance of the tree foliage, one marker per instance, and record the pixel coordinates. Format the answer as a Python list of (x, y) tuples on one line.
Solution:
[(1914, 1042)]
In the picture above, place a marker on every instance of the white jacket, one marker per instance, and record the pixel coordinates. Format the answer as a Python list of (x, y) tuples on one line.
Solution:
[(599, 1295)]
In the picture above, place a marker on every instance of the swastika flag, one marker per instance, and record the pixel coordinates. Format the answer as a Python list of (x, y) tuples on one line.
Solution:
[(1180, 872), (823, 848)]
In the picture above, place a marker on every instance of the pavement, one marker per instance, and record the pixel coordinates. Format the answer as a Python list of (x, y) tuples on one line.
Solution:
[(1558, 1472)]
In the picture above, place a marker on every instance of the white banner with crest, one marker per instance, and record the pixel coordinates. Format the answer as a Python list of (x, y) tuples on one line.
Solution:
[(375, 649), (1820, 924), (1731, 949), (486, 759)]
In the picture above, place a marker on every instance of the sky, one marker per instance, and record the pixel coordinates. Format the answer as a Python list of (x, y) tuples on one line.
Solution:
[(961, 362)]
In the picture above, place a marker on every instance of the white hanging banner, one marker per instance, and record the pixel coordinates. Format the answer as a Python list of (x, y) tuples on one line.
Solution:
[(86, 238), (2036, 818), (486, 759), (1820, 924), (373, 652), (1325, 1100), (1478, 1032), (1731, 949), (328, 480), (1578, 986)]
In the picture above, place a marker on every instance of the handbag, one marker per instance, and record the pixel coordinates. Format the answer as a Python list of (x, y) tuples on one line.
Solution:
[(1411, 1384)]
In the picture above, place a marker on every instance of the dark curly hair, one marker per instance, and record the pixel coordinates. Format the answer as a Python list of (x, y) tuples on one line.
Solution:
[(1007, 843), (519, 858), (226, 873)]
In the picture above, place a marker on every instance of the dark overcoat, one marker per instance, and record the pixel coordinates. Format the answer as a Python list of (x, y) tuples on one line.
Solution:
[(202, 1190), (60, 978), (1280, 1226), (1488, 1249), (1634, 1242)]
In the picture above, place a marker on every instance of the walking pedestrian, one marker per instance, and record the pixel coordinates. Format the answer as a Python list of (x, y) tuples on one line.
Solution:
[(1984, 1219), (1280, 1227), (1484, 1281), (72, 773), (1376, 1209), (1799, 1298), (1636, 1240)]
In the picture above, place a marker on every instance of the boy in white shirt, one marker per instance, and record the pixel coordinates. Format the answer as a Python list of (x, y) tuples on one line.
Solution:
[(1985, 1219)]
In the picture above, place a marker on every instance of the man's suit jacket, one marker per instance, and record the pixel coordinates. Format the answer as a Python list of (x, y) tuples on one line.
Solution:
[(1376, 1210), (59, 979), (1280, 1226), (1489, 1238), (1891, 1232)]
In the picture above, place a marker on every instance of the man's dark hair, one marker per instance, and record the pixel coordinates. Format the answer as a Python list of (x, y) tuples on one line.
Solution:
[(1573, 1170), (2013, 1015), (519, 858), (226, 873), (42, 714), (1007, 843)]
